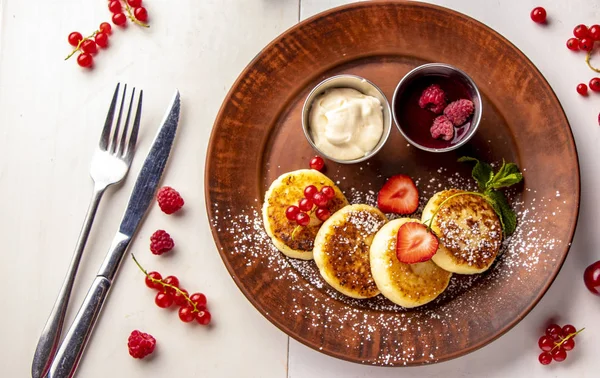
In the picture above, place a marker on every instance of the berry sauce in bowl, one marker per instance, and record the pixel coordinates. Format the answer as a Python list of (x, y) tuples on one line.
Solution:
[(415, 122)]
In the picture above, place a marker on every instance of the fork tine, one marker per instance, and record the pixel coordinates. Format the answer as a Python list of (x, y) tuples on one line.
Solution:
[(113, 144), (121, 150), (135, 129), (104, 137)]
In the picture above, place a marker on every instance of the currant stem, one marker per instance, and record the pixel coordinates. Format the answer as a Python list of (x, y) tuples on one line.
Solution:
[(587, 61), (80, 43), (165, 285), (569, 336), (444, 202), (132, 17)]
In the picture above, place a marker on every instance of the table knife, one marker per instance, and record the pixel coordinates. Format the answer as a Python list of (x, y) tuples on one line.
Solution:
[(71, 349)]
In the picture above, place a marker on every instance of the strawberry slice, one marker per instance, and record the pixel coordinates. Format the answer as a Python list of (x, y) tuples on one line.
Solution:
[(415, 243), (398, 195)]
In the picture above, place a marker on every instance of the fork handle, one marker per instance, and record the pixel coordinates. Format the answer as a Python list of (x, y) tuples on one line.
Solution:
[(50, 337)]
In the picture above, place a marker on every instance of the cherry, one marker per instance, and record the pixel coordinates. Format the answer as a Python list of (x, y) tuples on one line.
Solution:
[(568, 329), (545, 358), (291, 212), (310, 191), (203, 317), (595, 84), (115, 6), (135, 3), (568, 344), (591, 276), (538, 15), (586, 44), (328, 192), (546, 343), (305, 204), (105, 27), (85, 60), (199, 299), (594, 32), (89, 46), (323, 214), (320, 200), (573, 44), (302, 219), (582, 89), (163, 299), (559, 354), (581, 31), (101, 39), (153, 285), (186, 314), (74, 38), (119, 19), (141, 14), (317, 163), (179, 298), (554, 331)]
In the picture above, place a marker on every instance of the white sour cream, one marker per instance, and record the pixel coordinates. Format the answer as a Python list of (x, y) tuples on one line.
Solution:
[(346, 124)]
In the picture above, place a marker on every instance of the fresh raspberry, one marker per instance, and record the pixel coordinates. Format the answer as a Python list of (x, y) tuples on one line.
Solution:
[(140, 344), (458, 111), (161, 242), (169, 200), (433, 98), (442, 127)]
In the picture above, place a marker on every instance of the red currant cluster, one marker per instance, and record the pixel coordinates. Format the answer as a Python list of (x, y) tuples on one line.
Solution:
[(584, 40), (170, 292), (312, 197), (556, 342), (88, 46), (135, 11)]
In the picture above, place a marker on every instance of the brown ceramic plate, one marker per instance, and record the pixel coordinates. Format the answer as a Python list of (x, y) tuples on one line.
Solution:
[(258, 135)]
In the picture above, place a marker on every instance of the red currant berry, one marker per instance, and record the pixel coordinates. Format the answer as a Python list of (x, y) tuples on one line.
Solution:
[(291, 212), (163, 300), (101, 39), (114, 6), (559, 354), (317, 163), (85, 60), (303, 219), (310, 191), (545, 358), (153, 285), (568, 329), (323, 214), (595, 84), (328, 192), (581, 31), (135, 3), (538, 15), (74, 38), (119, 19), (554, 331), (186, 314), (199, 299), (594, 32), (203, 317), (171, 280), (568, 344), (586, 44), (591, 275), (320, 200), (141, 14), (105, 27), (546, 343), (582, 89), (89, 46), (179, 298), (305, 204), (573, 44)]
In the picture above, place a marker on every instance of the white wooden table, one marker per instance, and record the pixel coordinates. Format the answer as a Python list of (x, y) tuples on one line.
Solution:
[(51, 114)]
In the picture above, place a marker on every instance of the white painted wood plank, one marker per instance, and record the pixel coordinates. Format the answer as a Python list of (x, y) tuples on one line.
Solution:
[(515, 354), (51, 114)]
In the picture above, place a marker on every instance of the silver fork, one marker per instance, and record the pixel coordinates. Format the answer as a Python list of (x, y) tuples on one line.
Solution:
[(110, 164)]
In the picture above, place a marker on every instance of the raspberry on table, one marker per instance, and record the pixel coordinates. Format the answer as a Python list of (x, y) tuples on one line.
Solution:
[(140, 344), (169, 200), (161, 242), (433, 98), (442, 128), (458, 111)]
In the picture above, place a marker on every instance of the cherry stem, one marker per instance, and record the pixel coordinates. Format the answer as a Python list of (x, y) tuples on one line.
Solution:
[(132, 17), (562, 340), (78, 48), (166, 285), (430, 221)]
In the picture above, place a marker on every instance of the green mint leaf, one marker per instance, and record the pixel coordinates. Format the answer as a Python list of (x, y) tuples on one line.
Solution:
[(507, 175), (507, 216), (482, 172)]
